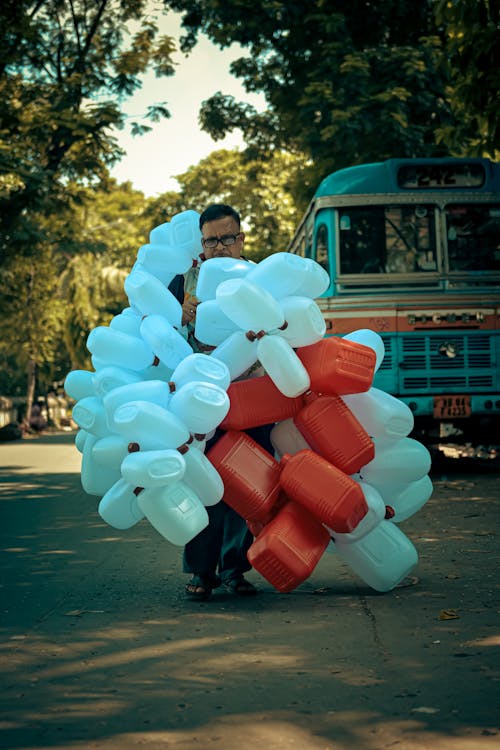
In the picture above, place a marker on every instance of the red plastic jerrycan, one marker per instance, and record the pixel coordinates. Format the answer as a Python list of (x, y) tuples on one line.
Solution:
[(330, 495), (338, 365), (288, 549), (331, 429), (250, 474), (257, 401)]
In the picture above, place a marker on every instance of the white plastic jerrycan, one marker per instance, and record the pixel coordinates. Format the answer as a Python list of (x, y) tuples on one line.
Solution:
[(284, 274), (202, 476), (153, 468), (401, 462), (156, 391), (161, 235), (119, 507), (185, 233), (201, 367), (110, 451), (128, 321), (382, 558), (149, 295), (157, 371), (175, 511), (95, 477), (112, 347), (283, 366), (237, 352), (80, 384), (305, 322), (150, 426), (374, 516), (251, 307), (215, 272), (89, 414), (279, 274), (110, 377), (212, 326), (166, 342), (200, 406), (80, 439), (382, 415), (164, 260), (154, 268), (287, 438), (369, 338), (314, 281), (404, 500)]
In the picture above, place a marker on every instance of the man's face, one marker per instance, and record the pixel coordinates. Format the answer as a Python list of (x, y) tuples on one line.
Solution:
[(225, 227)]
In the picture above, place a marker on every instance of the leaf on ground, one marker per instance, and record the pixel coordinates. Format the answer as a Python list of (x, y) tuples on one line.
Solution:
[(448, 614)]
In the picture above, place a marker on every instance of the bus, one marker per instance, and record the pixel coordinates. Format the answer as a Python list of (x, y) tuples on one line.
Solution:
[(412, 247)]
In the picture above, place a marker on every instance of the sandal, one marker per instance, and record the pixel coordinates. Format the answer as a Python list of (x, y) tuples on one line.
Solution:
[(240, 587), (200, 587)]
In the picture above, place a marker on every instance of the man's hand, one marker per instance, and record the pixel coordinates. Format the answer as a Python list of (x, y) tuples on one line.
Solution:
[(189, 310)]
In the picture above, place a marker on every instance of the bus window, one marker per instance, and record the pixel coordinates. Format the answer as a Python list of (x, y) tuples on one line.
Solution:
[(473, 233), (362, 243), (321, 247), (387, 239)]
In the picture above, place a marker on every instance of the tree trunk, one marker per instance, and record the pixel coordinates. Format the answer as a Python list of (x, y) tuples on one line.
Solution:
[(30, 390)]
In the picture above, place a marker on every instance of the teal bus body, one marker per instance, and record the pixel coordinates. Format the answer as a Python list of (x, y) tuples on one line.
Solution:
[(412, 247)]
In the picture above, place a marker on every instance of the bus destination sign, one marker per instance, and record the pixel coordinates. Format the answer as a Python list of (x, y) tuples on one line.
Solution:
[(441, 176)]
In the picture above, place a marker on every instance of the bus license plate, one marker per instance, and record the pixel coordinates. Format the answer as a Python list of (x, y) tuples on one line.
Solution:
[(446, 407)]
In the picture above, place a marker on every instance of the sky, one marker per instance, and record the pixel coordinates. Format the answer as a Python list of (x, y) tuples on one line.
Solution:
[(177, 143)]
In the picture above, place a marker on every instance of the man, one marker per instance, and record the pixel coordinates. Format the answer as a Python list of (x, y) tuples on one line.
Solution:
[(218, 554)]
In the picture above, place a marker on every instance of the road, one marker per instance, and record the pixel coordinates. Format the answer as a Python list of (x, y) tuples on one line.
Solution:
[(101, 650)]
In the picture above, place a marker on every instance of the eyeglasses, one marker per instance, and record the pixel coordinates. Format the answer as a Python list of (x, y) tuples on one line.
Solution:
[(226, 240)]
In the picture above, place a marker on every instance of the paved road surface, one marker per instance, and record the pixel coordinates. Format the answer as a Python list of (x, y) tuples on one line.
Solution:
[(101, 650)]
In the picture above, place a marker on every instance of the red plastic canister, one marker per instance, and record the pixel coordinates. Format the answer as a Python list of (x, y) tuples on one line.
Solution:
[(331, 429), (257, 401), (250, 474), (337, 365), (330, 495), (288, 549)]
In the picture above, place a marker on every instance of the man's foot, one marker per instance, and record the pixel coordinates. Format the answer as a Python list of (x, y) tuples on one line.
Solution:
[(200, 587), (240, 587)]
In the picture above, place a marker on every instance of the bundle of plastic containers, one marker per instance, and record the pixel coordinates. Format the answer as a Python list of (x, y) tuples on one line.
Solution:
[(344, 472)]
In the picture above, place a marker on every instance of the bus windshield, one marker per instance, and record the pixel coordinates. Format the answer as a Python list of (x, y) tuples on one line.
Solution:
[(473, 233), (387, 239)]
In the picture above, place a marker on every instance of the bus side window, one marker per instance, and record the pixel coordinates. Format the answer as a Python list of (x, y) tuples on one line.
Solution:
[(473, 233), (321, 247), (362, 240), (410, 239)]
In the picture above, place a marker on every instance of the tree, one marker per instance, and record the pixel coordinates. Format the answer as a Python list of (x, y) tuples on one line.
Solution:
[(345, 82), (258, 189), (472, 36), (107, 227), (65, 68), (31, 324)]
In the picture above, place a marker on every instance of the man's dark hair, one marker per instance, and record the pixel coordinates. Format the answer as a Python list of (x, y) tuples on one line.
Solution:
[(219, 211)]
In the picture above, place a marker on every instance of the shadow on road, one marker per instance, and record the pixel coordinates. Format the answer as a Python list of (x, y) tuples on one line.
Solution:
[(100, 648)]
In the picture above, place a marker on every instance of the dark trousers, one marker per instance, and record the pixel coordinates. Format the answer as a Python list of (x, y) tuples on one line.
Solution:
[(221, 547)]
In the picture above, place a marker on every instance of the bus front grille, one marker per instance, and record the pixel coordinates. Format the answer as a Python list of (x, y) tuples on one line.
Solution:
[(444, 362)]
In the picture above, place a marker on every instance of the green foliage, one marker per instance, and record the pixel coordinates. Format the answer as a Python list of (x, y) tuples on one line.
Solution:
[(345, 83), (66, 232), (472, 47), (77, 282), (260, 190), (65, 69), (31, 323), (107, 229)]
